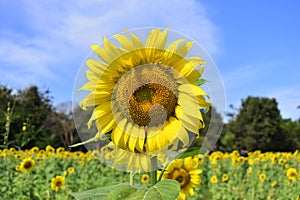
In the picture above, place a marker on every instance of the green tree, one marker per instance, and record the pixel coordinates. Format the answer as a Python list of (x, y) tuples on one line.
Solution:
[(291, 133), (257, 125)]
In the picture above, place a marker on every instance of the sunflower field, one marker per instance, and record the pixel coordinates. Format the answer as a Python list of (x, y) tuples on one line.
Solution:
[(56, 173)]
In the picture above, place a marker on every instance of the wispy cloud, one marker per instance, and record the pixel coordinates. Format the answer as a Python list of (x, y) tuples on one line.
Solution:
[(58, 33)]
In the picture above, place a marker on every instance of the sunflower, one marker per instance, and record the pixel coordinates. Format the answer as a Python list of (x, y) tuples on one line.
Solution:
[(186, 172), (262, 177), (57, 182), (27, 165), (214, 179), (34, 150), (225, 177), (145, 96), (145, 178), (71, 170), (50, 149), (292, 174)]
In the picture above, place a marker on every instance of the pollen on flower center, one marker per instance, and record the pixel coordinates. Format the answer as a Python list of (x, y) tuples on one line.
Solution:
[(146, 94)]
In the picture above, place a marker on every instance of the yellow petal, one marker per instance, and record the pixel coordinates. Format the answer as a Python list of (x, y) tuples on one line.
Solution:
[(184, 68), (95, 98), (112, 50), (96, 66), (184, 49), (139, 133), (102, 54), (157, 39), (192, 90), (105, 123), (195, 61), (125, 42), (145, 162), (195, 75), (151, 144), (127, 134), (137, 43), (190, 123), (183, 136)]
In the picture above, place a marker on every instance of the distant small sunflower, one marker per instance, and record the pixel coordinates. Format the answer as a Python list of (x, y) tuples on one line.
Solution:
[(50, 149), (262, 177), (81, 163), (145, 178), (214, 179), (34, 150), (292, 173), (18, 168), (71, 170), (225, 177), (281, 161), (27, 165), (57, 183)]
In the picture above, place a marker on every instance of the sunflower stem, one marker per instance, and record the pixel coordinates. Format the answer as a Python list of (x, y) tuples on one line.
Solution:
[(131, 180), (162, 173), (153, 174)]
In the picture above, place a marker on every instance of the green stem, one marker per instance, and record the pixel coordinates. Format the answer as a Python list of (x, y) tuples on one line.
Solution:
[(153, 174), (131, 180), (162, 173)]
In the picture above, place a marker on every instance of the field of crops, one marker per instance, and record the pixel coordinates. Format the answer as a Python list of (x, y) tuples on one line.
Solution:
[(55, 173)]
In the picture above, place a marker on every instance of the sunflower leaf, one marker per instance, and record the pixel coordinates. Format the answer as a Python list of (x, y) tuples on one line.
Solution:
[(163, 190), (167, 189), (192, 152), (100, 193), (121, 192), (200, 81)]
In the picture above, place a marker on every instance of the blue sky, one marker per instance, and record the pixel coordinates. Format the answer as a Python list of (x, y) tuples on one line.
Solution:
[(255, 44)]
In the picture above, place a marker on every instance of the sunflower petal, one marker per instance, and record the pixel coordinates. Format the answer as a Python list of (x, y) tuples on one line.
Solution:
[(195, 75), (184, 49), (112, 50), (137, 43), (192, 90), (101, 53)]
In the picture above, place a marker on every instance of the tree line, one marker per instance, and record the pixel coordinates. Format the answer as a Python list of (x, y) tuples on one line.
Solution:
[(28, 118)]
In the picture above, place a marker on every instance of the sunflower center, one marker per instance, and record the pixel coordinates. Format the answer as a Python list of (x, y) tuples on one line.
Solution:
[(146, 95), (151, 104), (182, 176), (58, 183), (27, 165)]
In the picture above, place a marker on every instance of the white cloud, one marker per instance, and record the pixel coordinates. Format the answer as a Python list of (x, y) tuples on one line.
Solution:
[(62, 31)]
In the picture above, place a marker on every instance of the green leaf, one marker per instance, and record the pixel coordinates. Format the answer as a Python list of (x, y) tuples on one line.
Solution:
[(190, 152), (121, 192), (168, 189), (95, 194), (200, 81), (138, 195), (163, 190), (193, 152)]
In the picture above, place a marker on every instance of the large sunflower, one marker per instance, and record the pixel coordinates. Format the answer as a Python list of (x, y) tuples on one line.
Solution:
[(145, 96)]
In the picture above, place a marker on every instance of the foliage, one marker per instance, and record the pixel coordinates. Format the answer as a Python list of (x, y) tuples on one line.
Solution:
[(28, 118), (256, 126), (259, 176)]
